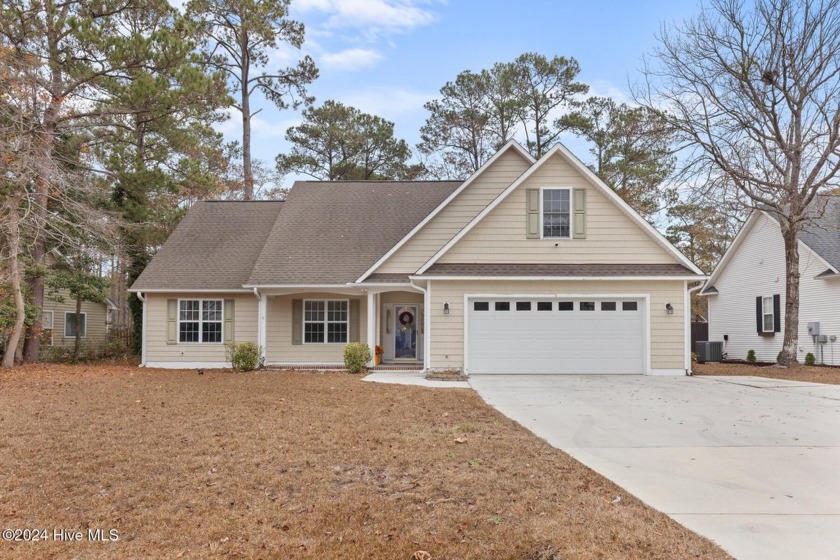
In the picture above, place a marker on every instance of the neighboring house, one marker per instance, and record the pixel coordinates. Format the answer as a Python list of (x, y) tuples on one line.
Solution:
[(58, 319), (525, 267), (746, 291)]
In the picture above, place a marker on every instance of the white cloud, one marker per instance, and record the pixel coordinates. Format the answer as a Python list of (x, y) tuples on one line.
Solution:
[(351, 59), (371, 15), (603, 88), (394, 104), (261, 129)]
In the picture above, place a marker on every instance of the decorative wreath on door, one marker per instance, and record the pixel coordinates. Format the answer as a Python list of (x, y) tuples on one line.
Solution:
[(406, 320)]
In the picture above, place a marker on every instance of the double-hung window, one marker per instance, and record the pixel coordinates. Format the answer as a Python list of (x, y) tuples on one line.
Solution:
[(70, 325), (325, 321), (200, 320), (556, 213), (767, 318)]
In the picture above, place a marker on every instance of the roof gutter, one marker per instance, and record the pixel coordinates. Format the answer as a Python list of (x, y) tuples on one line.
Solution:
[(142, 299), (687, 327), (694, 277)]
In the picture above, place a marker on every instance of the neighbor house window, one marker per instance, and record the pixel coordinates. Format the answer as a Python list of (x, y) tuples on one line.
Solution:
[(47, 320), (556, 215), (767, 313), (70, 325), (200, 320), (325, 321)]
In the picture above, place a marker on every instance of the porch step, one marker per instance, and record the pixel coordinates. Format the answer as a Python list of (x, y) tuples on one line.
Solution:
[(397, 367)]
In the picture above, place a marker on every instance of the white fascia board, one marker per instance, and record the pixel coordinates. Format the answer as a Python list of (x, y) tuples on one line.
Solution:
[(189, 291), (593, 180), (511, 145), (315, 286), (563, 278)]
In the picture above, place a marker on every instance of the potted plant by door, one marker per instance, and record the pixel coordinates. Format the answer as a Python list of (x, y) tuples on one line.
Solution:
[(378, 354)]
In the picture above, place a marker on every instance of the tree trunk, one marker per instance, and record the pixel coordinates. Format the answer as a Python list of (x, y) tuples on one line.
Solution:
[(248, 177), (77, 321), (32, 347), (791, 339), (14, 273)]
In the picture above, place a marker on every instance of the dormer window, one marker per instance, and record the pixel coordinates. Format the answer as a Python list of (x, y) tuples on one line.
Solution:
[(556, 213)]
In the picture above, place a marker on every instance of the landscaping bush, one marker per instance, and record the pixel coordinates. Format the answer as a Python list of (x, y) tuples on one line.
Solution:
[(244, 356), (751, 356), (356, 357), (810, 359), (779, 358)]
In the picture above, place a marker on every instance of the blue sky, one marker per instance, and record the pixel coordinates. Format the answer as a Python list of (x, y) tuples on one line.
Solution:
[(388, 57)]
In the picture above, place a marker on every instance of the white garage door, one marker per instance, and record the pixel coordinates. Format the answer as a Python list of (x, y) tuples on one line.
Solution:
[(555, 335)]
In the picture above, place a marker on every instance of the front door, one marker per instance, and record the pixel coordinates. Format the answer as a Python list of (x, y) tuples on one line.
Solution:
[(406, 319)]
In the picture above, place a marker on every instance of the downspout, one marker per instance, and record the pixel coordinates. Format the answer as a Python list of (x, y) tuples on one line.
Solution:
[(688, 293), (426, 322), (142, 299), (261, 312)]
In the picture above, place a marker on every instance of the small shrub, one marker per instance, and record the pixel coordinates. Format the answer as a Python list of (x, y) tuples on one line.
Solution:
[(779, 358), (55, 354), (695, 357), (356, 357), (810, 359), (751, 356), (244, 356)]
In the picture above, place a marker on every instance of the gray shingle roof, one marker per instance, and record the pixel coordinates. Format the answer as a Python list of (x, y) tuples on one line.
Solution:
[(822, 235), (214, 247), (331, 233), (455, 269)]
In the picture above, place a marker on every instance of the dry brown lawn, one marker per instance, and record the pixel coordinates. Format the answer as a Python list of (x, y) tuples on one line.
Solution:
[(298, 465), (810, 374)]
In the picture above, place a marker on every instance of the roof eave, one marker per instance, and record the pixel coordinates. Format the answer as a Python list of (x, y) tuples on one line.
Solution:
[(679, 277)]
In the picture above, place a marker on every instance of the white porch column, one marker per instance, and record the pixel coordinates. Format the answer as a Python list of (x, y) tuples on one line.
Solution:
[(371, 327), (262, 311)]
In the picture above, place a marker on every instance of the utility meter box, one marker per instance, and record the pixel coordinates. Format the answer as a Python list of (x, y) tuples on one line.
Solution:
[(822, 339), (814, 329)]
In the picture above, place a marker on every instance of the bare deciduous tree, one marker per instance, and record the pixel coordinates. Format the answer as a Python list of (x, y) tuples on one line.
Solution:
[(754, 92)]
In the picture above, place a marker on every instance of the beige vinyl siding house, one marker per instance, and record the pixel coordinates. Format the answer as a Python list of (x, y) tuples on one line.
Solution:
[(58, 312), (526, 267), (610, 236), (457, 213), (168, 351)]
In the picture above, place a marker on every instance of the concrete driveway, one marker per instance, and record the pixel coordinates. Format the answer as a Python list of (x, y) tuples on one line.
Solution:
[(749, 462)]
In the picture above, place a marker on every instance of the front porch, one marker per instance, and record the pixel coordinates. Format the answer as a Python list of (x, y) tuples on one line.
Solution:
[(308, 328)]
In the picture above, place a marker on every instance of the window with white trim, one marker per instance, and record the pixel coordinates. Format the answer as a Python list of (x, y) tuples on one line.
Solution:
[(200, 320), (47, 320), (556, 213), (70, 324), (767, 318), (326, 321)]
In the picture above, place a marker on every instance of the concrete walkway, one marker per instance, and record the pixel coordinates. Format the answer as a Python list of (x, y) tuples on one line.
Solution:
[(749, 462), (413, 378)]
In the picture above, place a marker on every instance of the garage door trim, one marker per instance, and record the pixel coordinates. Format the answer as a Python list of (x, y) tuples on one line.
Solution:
[(645, 308)]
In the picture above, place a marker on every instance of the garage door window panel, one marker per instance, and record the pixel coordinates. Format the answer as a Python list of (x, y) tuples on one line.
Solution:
[(608, 306), (523, 306), (481, 306), (502, 306), (544, 306), (629, 306), (565, 306), (587, 306)]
